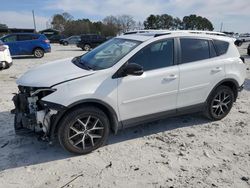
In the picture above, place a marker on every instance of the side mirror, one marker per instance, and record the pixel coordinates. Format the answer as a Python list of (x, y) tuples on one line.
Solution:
[(133, 69)]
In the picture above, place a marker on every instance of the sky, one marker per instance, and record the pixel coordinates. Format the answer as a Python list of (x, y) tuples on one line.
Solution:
[(234, 14)]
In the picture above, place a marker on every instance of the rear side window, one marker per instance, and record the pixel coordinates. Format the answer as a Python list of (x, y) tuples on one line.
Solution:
[(221, 46), (194, 50)]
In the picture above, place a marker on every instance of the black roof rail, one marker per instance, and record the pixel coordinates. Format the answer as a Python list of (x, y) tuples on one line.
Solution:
[(161, 34)]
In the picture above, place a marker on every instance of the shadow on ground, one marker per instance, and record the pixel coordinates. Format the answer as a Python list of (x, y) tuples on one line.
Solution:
[(19, 151), (24, 57)]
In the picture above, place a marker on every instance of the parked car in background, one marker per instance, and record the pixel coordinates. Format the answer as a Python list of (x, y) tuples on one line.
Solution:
[(248, 49), (70, 40), (5, 58), (128, 80), (90, 41), (244, 37), (56, 38), (27, 44)]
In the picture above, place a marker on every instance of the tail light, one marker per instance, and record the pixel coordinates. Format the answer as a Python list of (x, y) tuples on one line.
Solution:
[(2, 48), (47, 41)]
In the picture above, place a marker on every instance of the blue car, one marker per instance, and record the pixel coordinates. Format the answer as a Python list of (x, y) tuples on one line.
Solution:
[(27, 44)]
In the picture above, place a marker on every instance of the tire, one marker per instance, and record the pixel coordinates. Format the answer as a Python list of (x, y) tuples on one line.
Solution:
[(38, 53), (86, 47), (219, 103), (65, 43), (83, 130), (248, 51)]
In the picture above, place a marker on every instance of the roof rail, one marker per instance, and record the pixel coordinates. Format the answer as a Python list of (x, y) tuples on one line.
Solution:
[(157, 33)]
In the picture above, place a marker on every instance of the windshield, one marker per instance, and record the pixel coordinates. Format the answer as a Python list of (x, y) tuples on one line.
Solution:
[(107, 54)]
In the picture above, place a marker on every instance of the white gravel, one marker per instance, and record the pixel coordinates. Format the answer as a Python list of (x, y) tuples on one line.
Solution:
[(186, 151)]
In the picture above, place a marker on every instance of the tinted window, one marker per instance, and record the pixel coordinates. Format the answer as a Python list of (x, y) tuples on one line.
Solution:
[(11, 38), (194, 50), (24, 37), (154, 56), (221, 46), (212, 49)]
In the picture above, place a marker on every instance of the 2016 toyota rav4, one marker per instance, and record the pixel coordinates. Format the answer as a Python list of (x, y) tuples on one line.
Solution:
[(128, 80)]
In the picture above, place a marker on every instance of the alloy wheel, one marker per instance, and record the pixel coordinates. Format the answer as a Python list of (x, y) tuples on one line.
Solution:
[(86, 132), (221, 104)]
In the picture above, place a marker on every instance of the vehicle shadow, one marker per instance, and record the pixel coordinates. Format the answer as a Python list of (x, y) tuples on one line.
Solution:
[(19, 151), (68, 49), (24, 57)]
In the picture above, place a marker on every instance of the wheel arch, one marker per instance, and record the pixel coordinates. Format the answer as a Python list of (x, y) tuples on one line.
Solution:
[(106, 108), (231, 83)]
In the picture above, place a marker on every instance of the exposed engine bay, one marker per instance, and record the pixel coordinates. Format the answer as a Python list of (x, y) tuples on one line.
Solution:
[(30, 111)]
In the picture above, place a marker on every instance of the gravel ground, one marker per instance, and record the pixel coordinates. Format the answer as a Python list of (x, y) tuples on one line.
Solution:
[(186, 151)]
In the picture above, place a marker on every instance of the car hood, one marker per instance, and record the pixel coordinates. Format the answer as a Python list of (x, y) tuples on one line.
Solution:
[(53, 73)]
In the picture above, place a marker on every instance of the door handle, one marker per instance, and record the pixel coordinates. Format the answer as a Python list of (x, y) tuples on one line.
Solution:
[(169, 78), (217, 69)]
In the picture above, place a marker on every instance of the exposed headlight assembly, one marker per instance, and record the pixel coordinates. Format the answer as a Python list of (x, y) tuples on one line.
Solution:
[(43, 92)]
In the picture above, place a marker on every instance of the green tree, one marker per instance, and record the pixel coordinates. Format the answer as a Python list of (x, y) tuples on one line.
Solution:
[(59, 21), (194, 22)]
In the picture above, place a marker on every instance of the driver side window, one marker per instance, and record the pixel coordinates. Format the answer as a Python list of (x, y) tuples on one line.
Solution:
[(156, 55)]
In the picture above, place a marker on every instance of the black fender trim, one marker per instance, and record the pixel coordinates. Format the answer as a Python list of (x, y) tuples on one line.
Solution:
[(115, 125), (224, 81)]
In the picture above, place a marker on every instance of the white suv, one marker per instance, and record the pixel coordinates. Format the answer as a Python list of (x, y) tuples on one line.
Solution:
[(5, 58), (128, 80)]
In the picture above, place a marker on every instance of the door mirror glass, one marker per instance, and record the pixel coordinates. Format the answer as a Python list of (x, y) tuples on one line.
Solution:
[(133, 69)]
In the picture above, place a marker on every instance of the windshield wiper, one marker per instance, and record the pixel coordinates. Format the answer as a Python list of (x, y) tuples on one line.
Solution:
[(77, 60)]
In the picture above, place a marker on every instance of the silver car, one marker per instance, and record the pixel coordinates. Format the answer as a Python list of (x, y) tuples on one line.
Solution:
[(70, 40)]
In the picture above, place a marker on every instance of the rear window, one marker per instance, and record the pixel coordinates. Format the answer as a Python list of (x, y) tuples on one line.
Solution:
[(221, 46)]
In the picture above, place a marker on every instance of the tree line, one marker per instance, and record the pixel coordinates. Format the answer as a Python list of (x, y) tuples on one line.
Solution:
[(113, 25)]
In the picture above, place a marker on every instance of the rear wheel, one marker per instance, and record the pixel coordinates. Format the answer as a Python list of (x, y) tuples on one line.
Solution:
[(220, 103), (38, 53), (248, 51), (83, 130)]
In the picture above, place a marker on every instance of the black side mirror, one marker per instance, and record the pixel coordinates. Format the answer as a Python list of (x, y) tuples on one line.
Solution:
[(133, 69)]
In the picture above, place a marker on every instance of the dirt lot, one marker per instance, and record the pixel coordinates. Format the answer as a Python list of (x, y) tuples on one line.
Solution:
[(187, 151)]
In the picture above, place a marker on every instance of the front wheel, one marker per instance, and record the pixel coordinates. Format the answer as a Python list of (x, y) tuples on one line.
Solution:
[(83, 130), (248, 52), (219, 103), (38, 53)]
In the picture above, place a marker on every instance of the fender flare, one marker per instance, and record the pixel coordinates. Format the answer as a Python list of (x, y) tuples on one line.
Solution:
[(108, 110)]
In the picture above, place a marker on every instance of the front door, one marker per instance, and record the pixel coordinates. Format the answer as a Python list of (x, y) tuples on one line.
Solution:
[(11, 41), (156, 89)]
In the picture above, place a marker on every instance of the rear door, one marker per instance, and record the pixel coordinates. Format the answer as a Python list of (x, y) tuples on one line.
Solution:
[(200, 70), (156, 89), (25, 44), (11, 41)]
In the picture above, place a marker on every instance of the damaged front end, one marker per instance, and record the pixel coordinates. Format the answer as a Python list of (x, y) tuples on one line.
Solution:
[(32, 113)]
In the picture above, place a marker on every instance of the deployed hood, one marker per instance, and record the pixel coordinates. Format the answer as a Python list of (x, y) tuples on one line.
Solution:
[(52, 73)]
